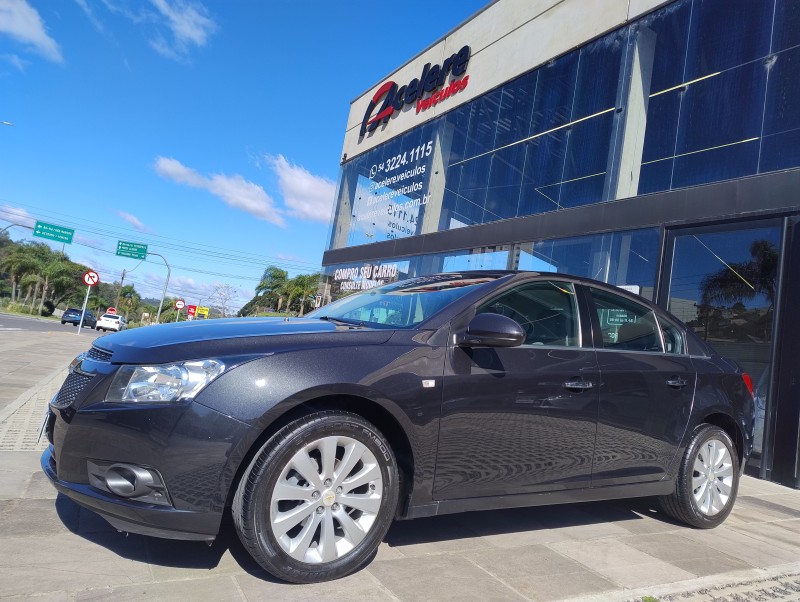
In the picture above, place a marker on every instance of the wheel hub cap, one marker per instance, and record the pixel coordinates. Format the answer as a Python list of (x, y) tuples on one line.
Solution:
[(326, 499), (712, 480)]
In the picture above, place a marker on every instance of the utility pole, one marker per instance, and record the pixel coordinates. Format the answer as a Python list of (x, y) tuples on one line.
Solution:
[(119, 290)]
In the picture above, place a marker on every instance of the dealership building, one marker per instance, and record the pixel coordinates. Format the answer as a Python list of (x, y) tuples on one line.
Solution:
[(652, 145)]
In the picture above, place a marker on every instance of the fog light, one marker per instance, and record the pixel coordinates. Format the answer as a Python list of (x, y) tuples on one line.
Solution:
[(128, 481)]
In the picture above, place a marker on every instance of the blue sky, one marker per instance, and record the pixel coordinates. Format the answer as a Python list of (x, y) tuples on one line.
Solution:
[(210, 131)]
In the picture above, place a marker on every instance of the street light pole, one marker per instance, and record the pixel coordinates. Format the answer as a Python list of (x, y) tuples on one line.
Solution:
[(20, 225), (166, 282)]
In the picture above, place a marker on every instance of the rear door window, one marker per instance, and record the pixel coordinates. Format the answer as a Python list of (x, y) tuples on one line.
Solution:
[(625, 324)]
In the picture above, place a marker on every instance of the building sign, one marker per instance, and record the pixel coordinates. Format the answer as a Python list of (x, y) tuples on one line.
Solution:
[(393, 97), (390, 203), (201, 312), (365, 277)]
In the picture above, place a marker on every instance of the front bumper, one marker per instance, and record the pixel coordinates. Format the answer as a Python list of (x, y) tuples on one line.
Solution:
[(135, 517)]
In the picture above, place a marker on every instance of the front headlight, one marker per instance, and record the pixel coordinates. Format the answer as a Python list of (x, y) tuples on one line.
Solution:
[(164, 383)]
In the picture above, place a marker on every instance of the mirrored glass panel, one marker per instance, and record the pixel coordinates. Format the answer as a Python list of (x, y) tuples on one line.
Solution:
[(723, 286)]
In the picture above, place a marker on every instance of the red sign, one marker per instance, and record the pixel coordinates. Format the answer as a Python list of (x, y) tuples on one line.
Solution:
[(191, 310), (91, 278), (433, 78), (112, 311), (180, 304)]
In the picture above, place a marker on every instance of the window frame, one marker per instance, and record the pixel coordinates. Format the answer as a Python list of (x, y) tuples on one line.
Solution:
[(575, 303)]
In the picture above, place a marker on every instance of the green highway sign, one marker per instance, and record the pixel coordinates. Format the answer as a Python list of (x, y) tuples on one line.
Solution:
[(53, 232), (131, 249)]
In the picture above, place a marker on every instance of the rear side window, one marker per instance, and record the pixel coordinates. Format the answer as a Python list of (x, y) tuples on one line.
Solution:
[(626, 325), (546, 311), (673, 338)]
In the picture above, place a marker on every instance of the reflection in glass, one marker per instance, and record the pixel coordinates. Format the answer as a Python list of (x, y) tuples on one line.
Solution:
[(723, 286), (626, 259)]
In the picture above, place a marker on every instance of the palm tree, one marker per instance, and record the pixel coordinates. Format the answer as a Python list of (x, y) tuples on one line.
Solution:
[(55, 270), (745, 280), (17, 263), (290, 289), (307, 285), (271, 285), (130, 299)]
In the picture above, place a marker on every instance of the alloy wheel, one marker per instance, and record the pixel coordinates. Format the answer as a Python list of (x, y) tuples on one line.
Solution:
[(326, 499)]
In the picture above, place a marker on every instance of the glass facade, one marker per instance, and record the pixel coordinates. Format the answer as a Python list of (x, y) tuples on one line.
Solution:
[(698, 92)]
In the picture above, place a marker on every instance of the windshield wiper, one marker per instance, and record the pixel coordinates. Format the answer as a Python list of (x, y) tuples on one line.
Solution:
[(342, 321)]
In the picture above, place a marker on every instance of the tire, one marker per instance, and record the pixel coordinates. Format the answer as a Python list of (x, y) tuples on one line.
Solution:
[(708, 480), (337, 481), (63, 322)]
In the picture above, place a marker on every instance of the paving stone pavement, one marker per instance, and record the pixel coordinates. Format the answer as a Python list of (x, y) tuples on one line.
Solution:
[(52, 549)]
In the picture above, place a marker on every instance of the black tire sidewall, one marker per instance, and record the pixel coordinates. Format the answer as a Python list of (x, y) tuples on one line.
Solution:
[(264, 475), (701, 437)]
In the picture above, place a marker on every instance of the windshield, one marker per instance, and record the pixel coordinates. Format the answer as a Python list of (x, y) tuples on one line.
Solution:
[(401, 304)]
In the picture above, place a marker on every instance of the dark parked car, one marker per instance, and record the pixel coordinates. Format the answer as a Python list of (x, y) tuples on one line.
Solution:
[(73, 316), (433, 395)]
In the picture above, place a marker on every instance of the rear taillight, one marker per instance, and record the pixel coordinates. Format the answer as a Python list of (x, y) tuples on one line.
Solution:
[(748, 382)]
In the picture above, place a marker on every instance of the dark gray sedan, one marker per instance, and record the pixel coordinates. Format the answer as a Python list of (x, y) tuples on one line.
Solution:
[(438, 394)]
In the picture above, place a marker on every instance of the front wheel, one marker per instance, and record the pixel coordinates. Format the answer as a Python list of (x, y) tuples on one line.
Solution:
[(708, 480), (318, 498)]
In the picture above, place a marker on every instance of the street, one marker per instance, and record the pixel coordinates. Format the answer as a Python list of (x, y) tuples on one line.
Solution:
[(12, 322)]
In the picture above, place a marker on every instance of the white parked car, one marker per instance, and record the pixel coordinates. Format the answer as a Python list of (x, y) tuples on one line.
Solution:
[(111, 322)]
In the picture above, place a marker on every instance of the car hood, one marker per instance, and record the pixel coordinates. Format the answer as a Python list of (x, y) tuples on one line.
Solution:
[(232, 336)]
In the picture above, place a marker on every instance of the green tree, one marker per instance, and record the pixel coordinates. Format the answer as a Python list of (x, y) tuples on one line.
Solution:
[(129, 299), (17, 261), (271, 286), (307, 286)]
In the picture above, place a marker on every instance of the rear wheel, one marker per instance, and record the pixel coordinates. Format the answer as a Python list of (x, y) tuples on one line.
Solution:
[(318, 498), (707, 482)]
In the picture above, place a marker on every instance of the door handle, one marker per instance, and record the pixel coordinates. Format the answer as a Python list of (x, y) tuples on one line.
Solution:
[(677, 382), (578, 385)]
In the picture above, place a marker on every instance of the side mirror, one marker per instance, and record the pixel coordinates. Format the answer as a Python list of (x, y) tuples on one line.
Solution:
[(492, 330)]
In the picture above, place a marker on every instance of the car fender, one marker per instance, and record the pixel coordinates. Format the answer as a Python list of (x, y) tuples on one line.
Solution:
[(263, 391)]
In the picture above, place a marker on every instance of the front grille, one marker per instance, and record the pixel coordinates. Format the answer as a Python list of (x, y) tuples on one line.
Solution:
[(98, 355), (70, 389)]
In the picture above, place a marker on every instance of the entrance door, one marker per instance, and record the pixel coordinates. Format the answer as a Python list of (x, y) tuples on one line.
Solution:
[(722, 281)]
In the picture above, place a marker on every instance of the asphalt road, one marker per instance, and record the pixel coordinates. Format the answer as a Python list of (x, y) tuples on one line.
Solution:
[(13, 322)]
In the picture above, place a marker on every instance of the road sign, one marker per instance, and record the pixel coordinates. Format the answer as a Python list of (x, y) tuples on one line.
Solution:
[(112, 311), (180, 304), (91, 278), (191, 310), (53, 232), (131, 249)]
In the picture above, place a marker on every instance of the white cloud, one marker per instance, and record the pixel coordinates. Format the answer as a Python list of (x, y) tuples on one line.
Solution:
[(307, 196), (15, 61), (19, 20), (93, 19), (233, 190), (188, 23), (173, 27), (133, 221), (16, 215)]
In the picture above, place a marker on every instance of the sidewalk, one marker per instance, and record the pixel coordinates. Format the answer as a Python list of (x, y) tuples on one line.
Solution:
[(52, 549)]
